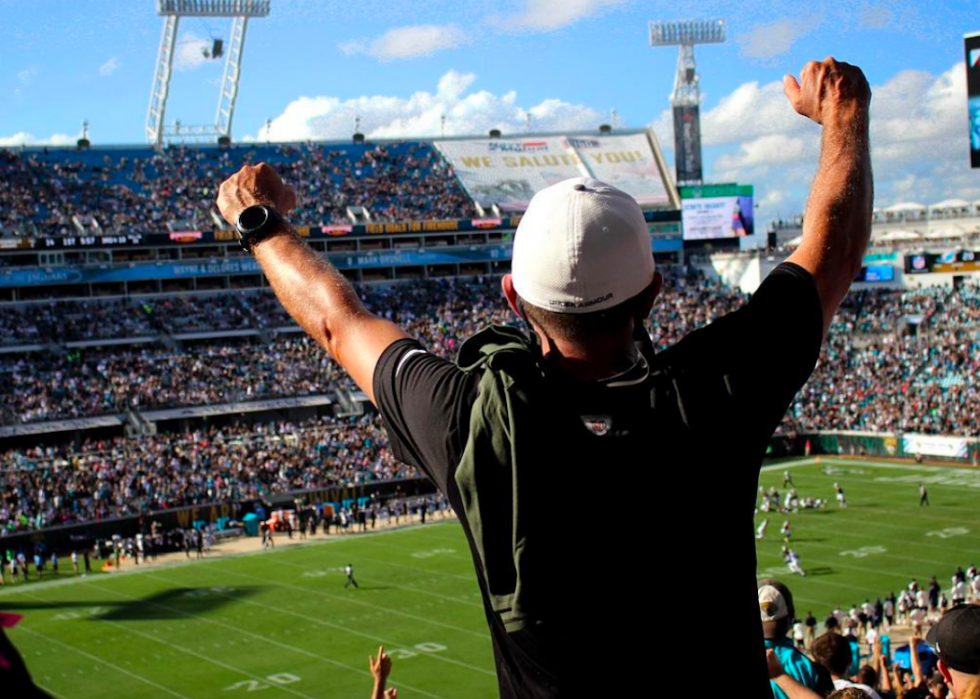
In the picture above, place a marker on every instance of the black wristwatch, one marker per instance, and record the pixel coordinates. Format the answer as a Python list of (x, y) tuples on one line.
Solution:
[(255, 224)]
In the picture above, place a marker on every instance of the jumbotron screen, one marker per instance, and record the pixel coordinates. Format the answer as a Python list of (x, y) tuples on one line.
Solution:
[(972, 49), (717, 212)]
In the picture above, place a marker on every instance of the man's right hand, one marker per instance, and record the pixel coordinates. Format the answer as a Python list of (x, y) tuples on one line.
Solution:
[(380, 667), (259, 184), (829, 92), (775, 667)]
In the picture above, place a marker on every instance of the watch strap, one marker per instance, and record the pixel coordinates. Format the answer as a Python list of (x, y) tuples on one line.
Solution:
[(250, 237)]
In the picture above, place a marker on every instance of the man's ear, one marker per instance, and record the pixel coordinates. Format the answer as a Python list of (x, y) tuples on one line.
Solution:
[(944, 671), (510, 293), (651, 293)]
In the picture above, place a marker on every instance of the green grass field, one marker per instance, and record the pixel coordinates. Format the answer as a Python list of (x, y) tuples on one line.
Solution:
[(882, 540), (280, 624), (275, 624)]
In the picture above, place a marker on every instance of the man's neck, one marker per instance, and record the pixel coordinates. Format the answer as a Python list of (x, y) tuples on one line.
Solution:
[(603, 358)]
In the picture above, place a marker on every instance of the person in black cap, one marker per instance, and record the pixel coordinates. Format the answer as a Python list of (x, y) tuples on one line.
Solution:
[(956, 640)]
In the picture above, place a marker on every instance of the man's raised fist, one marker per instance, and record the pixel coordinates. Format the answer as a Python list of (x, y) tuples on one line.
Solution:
[(254, 184), (829, 91)]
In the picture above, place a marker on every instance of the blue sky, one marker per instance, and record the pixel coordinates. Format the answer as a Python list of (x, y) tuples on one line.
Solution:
[(313, 64)]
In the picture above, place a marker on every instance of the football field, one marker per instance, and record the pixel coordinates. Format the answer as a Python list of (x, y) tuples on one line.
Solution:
[(881, 540), (272, 624), (281, 624)]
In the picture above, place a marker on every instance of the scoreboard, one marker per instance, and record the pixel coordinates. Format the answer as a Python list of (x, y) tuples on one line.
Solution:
[(972, 49)]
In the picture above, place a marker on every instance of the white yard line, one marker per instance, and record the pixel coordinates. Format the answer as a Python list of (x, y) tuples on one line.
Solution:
[(346, 629), (10, 589), (428, 571), (806, 526), (135, 676), (401, 587), (348, 598), (194, 654), (783, 466), (835, 563), (264, 639), (50, 691)]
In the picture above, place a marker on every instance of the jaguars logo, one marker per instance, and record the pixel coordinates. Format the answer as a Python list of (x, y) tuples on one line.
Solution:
[(599, 425)]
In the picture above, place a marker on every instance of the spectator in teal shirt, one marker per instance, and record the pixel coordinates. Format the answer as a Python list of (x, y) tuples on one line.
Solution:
[(778, 614)]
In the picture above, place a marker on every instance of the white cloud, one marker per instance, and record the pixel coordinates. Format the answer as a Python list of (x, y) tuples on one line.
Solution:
[(772, 198), (765, 41), (545, 15), (876, 17), (109, 67), (419, 115), (663, 127), (22, 138), (409, 42), (774, 149), (26, 76), (189, 51), (919, 140), (352, 48), (751, 111)]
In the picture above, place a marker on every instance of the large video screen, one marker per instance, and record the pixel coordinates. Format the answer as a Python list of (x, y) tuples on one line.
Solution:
[(876, 273), (717, 212), (954, 261), (972, 48)]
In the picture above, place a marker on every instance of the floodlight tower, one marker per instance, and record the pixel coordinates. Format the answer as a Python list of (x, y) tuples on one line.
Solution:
[(172, 10), (686, 97)]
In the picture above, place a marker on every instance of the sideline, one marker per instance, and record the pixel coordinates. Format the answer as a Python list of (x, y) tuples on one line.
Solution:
[(247, 546)]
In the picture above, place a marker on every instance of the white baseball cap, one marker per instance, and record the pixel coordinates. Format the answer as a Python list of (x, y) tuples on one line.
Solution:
[(772, 603), (582, 246)]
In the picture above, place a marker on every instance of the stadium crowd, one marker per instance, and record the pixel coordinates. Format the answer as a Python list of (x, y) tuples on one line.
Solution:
[(140, 191), (894, 360), (104, 478), (81, 383), (45, 486), (858, 650)]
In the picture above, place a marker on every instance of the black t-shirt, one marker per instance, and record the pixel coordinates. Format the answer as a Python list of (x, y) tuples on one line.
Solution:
[(635, 593)]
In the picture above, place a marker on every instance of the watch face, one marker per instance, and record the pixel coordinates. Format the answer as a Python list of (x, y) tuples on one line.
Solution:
[(253, 217)]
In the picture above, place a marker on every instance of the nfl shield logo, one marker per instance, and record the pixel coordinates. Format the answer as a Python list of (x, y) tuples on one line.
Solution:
[(598, 425)]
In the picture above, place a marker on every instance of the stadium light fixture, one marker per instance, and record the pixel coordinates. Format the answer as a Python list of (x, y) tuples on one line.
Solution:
[(213, 8), (240, 11), (689, 32), (686, 97)]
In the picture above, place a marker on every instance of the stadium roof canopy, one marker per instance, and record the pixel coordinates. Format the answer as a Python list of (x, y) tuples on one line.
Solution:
[(941, 233), (897, 235), (906, 206), (951, 204)]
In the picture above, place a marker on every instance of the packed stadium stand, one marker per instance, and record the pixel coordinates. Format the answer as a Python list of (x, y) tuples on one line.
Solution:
[(105, 478), (873, 375), (172, 344), (884, 343), (57, 192)]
